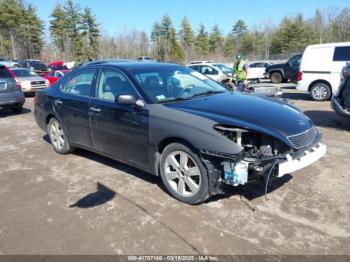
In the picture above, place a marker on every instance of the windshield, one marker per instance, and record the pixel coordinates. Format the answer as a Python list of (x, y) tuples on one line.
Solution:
[(295, 60), (24, 73), (165, 84), (224, 68)]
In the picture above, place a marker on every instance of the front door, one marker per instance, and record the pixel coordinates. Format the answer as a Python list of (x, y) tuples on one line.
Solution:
[(120, 131), (72, 106)]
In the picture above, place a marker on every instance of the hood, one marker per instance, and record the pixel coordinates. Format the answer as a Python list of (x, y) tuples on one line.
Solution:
[(261, 114)]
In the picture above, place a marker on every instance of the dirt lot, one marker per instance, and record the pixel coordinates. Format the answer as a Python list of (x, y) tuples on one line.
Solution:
[(87, 204)]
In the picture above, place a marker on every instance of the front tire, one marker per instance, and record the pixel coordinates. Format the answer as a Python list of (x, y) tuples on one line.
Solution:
[(58, 138), (183, 174), (320, 92)]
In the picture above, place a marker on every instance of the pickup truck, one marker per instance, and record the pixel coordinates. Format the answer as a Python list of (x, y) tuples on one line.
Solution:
[(279, 73)]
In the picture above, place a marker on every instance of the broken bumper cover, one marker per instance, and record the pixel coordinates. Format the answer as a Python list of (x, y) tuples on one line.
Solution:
[(311, 156)]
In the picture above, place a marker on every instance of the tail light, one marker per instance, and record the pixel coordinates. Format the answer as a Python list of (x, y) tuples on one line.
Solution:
[(18, 85), (300, 76)]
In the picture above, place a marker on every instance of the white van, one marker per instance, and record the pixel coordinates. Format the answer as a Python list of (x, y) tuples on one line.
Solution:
[(320, 69)]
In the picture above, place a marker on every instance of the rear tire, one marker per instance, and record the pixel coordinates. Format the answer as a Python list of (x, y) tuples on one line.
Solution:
[(58, 138), (276, 78), (17, 109), (183, 174), (320, 92)]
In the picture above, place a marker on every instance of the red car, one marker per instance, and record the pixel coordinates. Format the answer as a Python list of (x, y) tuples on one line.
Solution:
[(53, 76)]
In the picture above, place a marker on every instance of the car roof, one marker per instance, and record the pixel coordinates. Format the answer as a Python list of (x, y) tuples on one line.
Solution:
[(133, 64)]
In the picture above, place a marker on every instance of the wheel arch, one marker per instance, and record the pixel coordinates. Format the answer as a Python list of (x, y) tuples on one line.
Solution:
[(163, 144), (317, 81)]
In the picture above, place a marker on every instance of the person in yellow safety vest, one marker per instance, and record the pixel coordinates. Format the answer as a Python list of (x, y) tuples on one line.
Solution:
[(240, 70)]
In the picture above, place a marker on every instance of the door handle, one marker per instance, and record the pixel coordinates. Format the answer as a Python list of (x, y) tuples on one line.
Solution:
[(58, 102), (95, 109)]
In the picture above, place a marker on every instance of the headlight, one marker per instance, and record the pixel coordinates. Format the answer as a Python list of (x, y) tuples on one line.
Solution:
[(47, 82), (233, 133)]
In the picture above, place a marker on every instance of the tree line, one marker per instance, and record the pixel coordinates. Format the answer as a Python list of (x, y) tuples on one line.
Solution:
[(75, 35)]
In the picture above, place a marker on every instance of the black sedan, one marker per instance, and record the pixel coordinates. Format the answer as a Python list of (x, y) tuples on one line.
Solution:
[(171, 121)]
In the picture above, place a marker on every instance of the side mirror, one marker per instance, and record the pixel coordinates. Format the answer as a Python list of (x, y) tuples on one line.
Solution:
[(129, 100), (126, 100)]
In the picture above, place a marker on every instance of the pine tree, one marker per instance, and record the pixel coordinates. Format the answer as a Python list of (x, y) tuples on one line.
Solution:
[(176, 53), (92, 33), (33, 32), (202, 42), (74, 27), (215, 39), (58, 27), (11, 18), (187, 37)]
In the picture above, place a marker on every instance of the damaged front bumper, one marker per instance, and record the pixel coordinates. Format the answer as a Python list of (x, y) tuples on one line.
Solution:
[(235, 171), (310, 156)]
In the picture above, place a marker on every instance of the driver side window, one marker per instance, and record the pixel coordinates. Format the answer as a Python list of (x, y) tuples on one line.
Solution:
[(113, 83)]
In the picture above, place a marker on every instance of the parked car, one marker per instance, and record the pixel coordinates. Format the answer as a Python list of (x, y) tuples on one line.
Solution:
[(279, 73), (8, 63), (36, 65), (11, 95), (29, 81), (216, 71), (53, 76), (224, 75), (172, 121), (320, 69), (341, 99), (256, 71)]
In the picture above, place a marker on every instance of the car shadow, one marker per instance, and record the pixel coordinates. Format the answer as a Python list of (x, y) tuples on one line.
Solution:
[(118, 165), (102, 195), (328, 119), (250, 191), (6, 112), (296, 96)]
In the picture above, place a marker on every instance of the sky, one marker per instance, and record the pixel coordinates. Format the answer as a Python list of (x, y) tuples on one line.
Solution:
[(116, 16)]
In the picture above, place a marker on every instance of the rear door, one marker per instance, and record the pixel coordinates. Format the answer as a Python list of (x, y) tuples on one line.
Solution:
[(72, 105), (120, 131)]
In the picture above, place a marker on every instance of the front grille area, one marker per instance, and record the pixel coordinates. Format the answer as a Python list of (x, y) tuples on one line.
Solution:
[(35, 83), (303, 139)]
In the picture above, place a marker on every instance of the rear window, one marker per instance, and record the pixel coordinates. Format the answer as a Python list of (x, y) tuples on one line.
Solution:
[(342, 54), (4, 73)]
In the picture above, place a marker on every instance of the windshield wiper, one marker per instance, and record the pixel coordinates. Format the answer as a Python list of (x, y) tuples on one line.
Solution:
[(209, 92), (183, 98)]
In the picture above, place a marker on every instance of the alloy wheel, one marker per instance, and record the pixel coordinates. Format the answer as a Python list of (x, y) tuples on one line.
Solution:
[(182, 173), (57, 135), (319, 92)]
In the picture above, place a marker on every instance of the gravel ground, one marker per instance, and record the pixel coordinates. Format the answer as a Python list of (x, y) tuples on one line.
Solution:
[(88, 204)]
